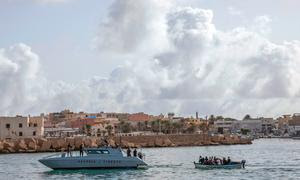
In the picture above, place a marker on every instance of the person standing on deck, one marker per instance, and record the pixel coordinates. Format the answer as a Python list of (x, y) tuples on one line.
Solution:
[(81, 149), (128, 152), (69, 150), (135, 152)]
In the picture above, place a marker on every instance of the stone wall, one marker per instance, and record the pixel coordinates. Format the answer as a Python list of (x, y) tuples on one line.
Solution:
[(60, 144)]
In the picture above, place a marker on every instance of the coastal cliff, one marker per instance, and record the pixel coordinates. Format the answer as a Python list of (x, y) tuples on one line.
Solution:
[(60, 144)]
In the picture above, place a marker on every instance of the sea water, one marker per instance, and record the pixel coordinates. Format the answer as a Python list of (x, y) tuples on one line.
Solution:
[(265, 159)]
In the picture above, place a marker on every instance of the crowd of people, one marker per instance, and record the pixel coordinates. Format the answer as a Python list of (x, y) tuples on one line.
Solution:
[(214, 160), (135, 153)]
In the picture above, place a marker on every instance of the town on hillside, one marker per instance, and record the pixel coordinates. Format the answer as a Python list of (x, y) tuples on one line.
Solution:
[(69, 124)]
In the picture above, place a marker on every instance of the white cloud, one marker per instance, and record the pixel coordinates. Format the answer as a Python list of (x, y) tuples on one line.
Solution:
[(41, 1), (233, 11), (51, 1), (181, 62), (261, 24)]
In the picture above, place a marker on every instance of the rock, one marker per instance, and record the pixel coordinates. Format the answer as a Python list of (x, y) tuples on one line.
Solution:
[(8, 144), (127, 144), (58, 144), (9, 150), (131, 145), (151, 144), (32, 146), (40, 141), (99, 142), (45, 146), (28, 140), (78, 141), (90, 142), (111, 142), (21, 145), (159, 142), (1, 146), (70, 141), (214, 144), (168, 143)]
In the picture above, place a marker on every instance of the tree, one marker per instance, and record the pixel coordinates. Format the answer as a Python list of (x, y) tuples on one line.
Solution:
[(177, 126), (191, 129), (219, 118), (146, 124), (247, 116), (109, 129), (126, 127), (245, 131), (88, 129), (166, 127), (139, 125), (155, 125), (212, 118), (203, 127)]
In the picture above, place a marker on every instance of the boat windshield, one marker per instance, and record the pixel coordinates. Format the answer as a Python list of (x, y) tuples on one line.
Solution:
[(97, 151)]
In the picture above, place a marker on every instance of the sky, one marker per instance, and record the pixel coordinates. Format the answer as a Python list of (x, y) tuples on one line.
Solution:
[(227, 58)]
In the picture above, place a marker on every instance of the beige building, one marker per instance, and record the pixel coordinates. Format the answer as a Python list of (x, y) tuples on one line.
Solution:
[(21, 127)]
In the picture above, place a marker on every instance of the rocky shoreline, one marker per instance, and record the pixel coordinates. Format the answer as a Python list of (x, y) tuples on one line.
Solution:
[(30, 145)]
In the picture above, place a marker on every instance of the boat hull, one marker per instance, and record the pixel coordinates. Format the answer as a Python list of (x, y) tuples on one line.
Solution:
[(238, 165), (92, 163)]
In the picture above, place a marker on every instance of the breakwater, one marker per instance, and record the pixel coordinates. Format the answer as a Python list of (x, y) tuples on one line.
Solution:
[(60, 144)]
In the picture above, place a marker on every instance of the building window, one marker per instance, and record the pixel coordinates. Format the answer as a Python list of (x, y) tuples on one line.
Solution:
[(34, 133), (35, 125), (20, 125), (7, 126), (20, 134)]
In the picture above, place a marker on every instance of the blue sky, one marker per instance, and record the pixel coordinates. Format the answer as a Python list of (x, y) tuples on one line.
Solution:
[(61, 33)]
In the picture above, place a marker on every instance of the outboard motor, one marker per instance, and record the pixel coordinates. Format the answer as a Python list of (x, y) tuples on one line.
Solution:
[(243, 163)]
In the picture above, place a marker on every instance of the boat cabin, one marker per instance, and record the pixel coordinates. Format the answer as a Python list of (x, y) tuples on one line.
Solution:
[(104, 151)]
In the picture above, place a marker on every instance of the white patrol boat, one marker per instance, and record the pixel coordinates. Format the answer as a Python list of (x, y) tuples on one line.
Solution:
[(93, 158)]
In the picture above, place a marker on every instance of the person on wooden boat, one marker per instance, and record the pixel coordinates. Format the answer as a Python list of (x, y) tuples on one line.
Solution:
[(215, 160), (81, 149), (200, 159), (228, 160), (224, 162), (205, 160)]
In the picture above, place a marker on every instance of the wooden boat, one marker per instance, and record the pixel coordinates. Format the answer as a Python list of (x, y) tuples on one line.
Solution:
[(232, 165)]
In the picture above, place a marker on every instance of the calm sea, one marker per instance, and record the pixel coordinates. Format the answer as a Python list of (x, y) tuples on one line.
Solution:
[(266, 159)]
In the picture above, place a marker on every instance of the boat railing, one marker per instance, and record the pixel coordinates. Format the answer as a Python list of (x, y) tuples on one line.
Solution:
[(53, 155), (65, 154)]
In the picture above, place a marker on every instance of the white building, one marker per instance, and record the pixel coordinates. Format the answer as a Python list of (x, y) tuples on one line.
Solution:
[(61, 132), (21, 127), (254, 125), (294, 125), (223, 126)]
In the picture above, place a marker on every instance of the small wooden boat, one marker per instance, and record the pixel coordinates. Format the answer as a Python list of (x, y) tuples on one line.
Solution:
[(231, 165)]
